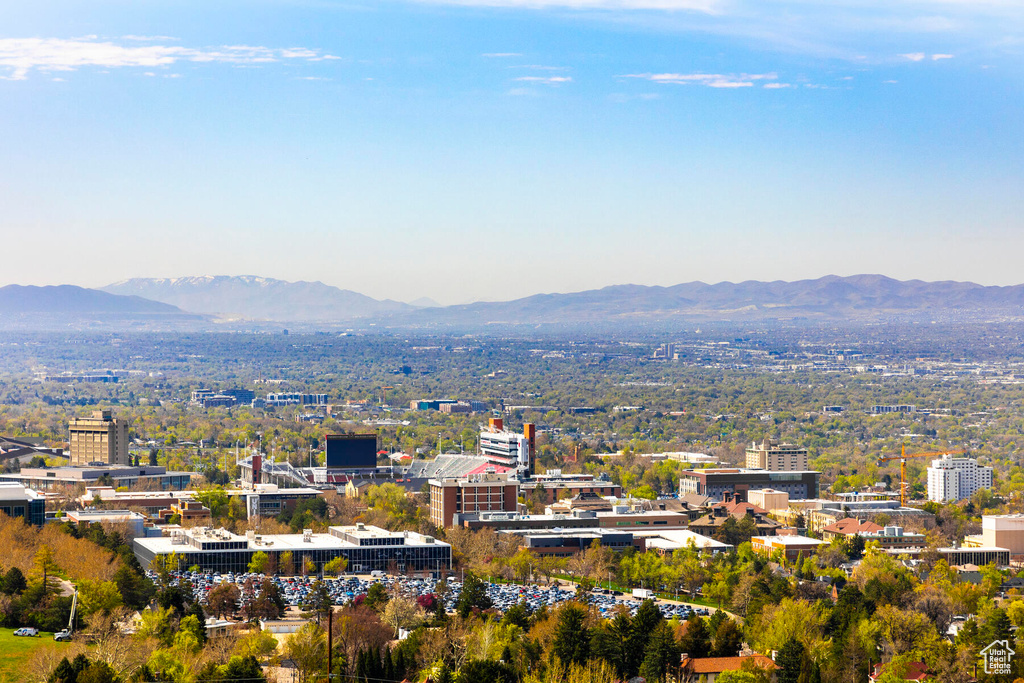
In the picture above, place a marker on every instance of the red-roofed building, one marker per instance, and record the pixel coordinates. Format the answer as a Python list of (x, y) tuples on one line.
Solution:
[(914, 671), (707, 669)]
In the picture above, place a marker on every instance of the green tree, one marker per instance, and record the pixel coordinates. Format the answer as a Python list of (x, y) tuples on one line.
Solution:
[(661, 654), (696, 642), (728, 640), (474, 594), (307, 647), (790, 661), (571, 643), (258, 563)]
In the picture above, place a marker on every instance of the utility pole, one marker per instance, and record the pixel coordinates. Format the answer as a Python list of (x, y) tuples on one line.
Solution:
[(330, 640)]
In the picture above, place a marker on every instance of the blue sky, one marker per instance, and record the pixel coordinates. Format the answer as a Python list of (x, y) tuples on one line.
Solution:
[(490, 149)]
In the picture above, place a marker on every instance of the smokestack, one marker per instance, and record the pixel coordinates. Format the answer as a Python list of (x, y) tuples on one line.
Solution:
[(530, 432), (497, 424)]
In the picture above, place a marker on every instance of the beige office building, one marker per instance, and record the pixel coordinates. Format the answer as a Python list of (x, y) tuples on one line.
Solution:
[(775, 457), (100, 438)]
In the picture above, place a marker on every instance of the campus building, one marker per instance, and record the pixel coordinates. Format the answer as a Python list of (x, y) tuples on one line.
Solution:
[(488, 492), (715, 483), (50, 478), (775, 457), (367, 548), (507, 448), (951, 479), (98, 439), (21, 502)]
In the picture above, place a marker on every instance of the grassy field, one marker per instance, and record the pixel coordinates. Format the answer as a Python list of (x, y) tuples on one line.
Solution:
[(15, 653)]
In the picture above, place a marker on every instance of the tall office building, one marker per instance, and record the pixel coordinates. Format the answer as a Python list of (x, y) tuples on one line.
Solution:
[(100, 438), (951, 479), (775, 457)]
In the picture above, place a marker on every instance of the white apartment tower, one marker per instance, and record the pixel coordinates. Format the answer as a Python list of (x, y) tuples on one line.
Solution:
[(951, 479), (775, 457)]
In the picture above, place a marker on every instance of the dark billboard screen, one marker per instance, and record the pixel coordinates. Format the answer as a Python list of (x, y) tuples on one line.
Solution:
[(349, 451)]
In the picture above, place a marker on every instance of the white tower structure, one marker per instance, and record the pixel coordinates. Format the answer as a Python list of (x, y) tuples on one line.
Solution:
[(951, 479)]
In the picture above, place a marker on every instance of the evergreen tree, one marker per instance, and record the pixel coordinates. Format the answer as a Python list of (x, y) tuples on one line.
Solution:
[(14, 582), (63, 673), (572, 638), (474, 594), (661, 655), (728, 639), (444, 674), (696, 641), (790, 661)]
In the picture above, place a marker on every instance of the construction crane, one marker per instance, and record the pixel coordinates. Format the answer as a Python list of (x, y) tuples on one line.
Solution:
[(902, 457)]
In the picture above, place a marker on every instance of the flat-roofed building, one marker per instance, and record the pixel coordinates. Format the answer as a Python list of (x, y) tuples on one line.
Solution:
[(554, 486), (488, 492), (1003, 531), (49, 478), (667, 541), (568, 542), (768, 499), (775, 457), (21, 502), (720, 481), (367, 548), (133, 522), (98, 439)]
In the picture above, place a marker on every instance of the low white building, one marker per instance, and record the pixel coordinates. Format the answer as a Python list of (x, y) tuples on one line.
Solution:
[(951, 479)]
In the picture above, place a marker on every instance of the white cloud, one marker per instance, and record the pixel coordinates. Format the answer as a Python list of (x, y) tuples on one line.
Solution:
[(20, 56), (914, 56), (709, 80), (548, 80), (941, 56), (777, 86)]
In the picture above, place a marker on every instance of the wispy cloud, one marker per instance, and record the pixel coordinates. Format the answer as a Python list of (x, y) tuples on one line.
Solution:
[(777, 86), (709, 80), (921, 56), (547, 80), (20, 56)]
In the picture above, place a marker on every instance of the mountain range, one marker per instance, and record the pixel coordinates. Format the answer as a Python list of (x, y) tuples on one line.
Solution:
[(218, 302), (247, 297)]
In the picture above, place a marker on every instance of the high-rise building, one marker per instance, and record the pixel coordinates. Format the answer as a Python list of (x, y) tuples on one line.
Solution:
[(100, 439), (951, 479), (775, 457)]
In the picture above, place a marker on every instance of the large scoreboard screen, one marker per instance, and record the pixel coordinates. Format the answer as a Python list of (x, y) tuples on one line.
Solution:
[(351, 451)]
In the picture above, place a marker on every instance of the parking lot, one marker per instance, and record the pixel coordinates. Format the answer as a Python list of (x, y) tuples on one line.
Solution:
[(296, 591)]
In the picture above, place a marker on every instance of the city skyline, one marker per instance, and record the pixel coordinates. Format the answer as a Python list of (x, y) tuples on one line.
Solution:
[(488, 150)]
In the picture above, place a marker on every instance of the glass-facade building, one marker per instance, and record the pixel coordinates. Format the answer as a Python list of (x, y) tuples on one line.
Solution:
[(366, 549)]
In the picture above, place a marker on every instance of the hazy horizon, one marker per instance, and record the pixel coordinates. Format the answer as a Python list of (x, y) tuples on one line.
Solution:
[(469, 150)]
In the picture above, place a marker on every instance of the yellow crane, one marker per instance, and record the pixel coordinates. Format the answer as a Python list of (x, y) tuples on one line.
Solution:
[(902, 457)]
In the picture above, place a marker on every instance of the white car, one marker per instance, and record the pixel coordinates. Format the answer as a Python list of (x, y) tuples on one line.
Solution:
[(27, 631)]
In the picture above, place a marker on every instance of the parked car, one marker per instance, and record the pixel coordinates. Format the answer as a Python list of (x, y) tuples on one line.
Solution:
[(27, 631)]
